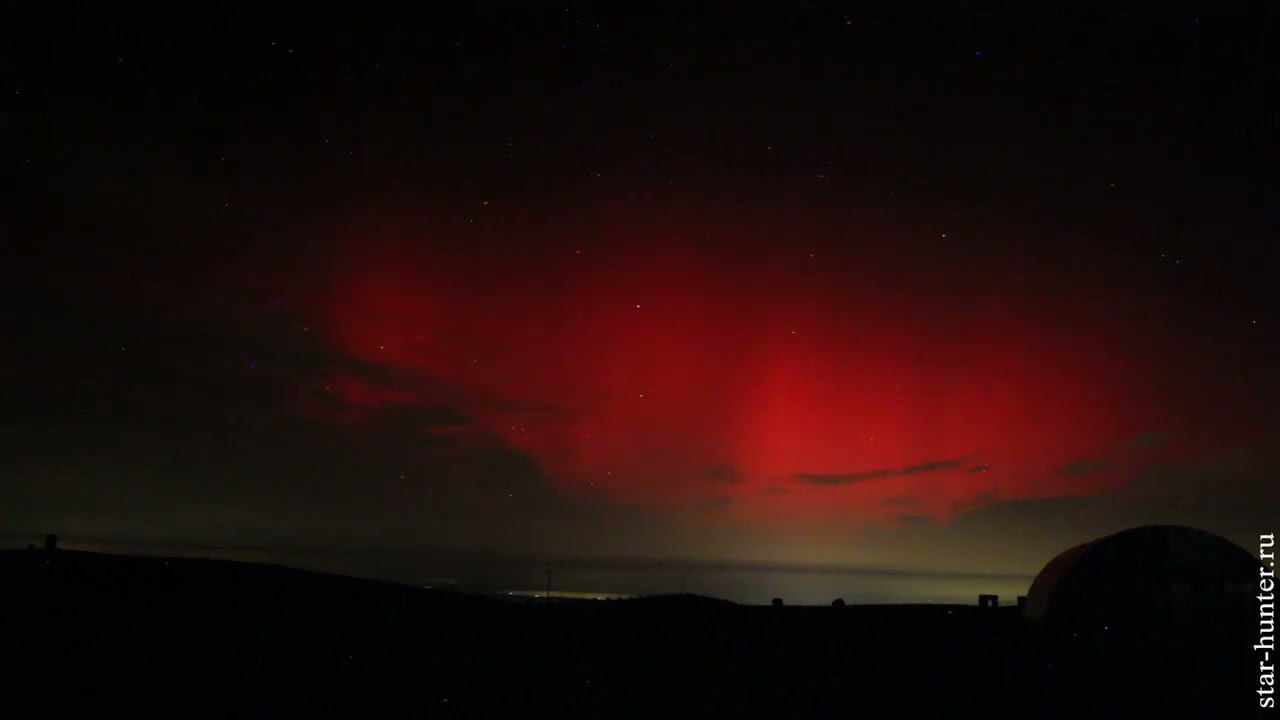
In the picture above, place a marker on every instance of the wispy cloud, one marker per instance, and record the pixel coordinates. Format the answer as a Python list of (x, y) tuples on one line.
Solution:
[(927, 466)]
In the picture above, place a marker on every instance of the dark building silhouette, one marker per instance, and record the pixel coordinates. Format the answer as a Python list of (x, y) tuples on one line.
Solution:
[(1156, 575), (1160, 611), (51, 542), (988, 601), (777, 602)]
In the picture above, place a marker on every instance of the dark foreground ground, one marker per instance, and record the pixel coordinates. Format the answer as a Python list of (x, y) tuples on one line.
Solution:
[(121, 636)]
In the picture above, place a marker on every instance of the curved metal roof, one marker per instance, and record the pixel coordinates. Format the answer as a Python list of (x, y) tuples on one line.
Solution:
[(1136, 553)]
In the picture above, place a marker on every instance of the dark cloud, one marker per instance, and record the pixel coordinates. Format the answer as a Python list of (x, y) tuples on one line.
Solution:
[(862, 476), (201, 428), (982, 498), (720, 502), (722, 473), (1079, 467), (844, 478), (1149, 441), (903, 501), (909, 519), (1223, 496)]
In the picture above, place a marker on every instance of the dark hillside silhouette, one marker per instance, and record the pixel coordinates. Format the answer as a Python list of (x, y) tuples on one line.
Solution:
[(213, 636)]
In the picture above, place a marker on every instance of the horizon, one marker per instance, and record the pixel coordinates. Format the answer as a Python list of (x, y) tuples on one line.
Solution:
[(810, 585)]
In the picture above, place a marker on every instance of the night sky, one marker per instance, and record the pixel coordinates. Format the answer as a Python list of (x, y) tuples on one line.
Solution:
[(885, 300)]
